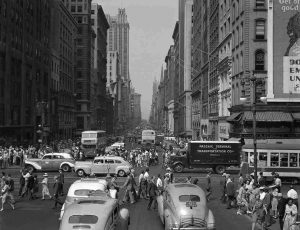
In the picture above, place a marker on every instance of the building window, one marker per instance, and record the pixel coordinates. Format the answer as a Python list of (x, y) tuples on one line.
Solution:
[(79, 19), (93, 21), (73, 8), (259, 29), (92, 11), (259, 60), (79, 9), (260, 3), (80, 122)]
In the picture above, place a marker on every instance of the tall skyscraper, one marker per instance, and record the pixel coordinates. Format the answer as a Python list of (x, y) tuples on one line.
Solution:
[(118, 39), (118, 45)]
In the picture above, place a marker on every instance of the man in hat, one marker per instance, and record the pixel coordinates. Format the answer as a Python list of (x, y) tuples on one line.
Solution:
[(61, 181), (230, 191), (56, 192)]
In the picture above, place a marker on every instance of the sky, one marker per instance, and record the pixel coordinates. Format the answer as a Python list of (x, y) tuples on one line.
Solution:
[(151, 27)]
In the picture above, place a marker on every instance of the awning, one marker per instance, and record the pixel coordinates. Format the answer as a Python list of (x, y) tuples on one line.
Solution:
[(234, 117), (296, 116), (268, 116)]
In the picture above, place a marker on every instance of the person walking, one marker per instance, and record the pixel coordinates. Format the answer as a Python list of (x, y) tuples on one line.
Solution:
[(281, 209), (45, 188), (230, 192), (223, 188), (6, 196), (11, 189), (159, 185), (61, 181), (152, 191), (290, 215), (257, 212), (128, 192), (208, 186), (56, 188)]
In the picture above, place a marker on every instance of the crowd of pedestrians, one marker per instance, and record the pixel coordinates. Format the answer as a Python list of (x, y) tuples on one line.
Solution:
[(264, 204)]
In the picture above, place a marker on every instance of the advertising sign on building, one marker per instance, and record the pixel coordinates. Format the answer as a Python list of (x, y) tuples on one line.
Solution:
[(284, 50)]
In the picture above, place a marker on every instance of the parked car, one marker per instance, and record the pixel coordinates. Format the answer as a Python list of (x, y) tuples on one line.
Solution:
[(183, 206), (84, 189), (101, 165), (51, 162), (100, 214)]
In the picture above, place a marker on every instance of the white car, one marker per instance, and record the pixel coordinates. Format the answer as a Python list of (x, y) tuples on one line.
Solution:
[(85, 189), (118, 145)]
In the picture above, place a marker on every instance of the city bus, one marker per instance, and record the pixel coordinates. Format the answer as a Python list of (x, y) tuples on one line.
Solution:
[(92, 142), (148, 137), (281, 158)]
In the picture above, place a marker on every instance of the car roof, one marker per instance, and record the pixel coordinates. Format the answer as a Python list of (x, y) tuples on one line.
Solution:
[(178, 189), (101, 208), (62, 154), (89, 183), (109, 157)]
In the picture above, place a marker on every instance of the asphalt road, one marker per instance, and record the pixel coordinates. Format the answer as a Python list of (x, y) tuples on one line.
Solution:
[(39, 215)]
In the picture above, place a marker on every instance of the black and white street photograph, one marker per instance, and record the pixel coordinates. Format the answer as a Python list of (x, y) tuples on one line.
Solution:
[(149, 114)]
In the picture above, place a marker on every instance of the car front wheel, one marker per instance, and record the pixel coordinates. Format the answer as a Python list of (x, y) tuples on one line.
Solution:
[(80, 173)]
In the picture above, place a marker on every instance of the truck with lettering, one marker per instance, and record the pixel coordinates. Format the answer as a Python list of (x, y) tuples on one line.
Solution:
[(217, 155)]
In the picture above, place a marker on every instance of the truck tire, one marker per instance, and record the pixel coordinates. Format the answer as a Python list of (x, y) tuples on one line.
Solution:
[(80, 173), (220, 169), (178, 168)]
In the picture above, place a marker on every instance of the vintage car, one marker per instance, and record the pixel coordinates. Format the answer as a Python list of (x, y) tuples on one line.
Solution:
[(102, 165), (51, 162), (183, 206), (100, 214), (85, 189)]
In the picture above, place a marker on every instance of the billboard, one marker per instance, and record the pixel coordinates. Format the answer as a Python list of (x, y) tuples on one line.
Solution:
[(285, 54)]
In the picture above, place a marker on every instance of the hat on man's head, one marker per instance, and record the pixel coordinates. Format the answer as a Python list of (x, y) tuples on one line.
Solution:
[(224, 174), (279, 194), (262, 188), (45, 175)]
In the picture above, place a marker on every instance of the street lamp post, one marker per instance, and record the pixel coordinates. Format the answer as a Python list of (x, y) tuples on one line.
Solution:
[(253, 80)]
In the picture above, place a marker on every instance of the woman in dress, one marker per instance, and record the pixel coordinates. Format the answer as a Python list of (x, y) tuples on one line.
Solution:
[(257, 212), (290, 216), (45, 189)]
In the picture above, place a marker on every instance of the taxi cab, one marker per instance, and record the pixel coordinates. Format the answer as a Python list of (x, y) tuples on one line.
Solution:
[(100, 214), (183, 206), (84, 189)]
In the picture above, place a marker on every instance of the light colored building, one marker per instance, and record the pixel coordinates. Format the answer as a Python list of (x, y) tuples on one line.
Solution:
[(185, 38), (118, 39), (213, 84), (224, 69)]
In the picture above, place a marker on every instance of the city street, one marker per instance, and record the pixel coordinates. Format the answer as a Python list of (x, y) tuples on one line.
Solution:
[(38, 214)]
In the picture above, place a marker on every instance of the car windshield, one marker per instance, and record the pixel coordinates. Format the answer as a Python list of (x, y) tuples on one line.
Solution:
[(83, 219), (186, 198), (88, 192)]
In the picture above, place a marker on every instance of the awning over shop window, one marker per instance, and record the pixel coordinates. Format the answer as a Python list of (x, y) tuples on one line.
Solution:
[(268, 116), (296, 116), (234, 117)]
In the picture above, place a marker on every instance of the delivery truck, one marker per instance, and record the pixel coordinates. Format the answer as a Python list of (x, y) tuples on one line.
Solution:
[(217, 155)]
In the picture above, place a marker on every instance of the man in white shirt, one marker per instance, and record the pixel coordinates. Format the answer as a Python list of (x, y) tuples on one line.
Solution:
[(277, 183), (292, 193), (159, 184)]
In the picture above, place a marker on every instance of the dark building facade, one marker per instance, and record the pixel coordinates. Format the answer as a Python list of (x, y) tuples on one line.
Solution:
[(24, 70), (62, 41), (81, 11)]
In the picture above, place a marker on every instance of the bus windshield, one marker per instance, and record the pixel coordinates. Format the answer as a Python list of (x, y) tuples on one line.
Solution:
[(89, 135)]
